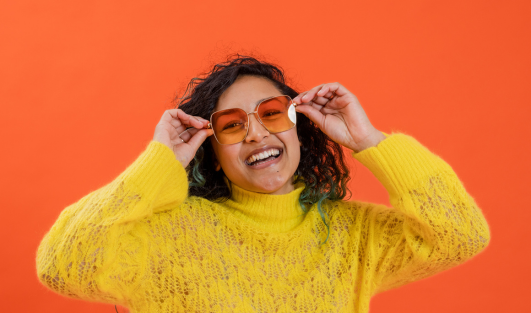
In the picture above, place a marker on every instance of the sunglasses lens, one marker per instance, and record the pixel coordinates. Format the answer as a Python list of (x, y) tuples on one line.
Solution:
[(230, 126), (277, 114)]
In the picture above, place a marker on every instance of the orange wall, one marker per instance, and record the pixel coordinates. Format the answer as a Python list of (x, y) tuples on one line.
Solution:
[(83, 84)]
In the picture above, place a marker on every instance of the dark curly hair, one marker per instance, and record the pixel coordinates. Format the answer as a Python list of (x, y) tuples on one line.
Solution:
[(322, 166)]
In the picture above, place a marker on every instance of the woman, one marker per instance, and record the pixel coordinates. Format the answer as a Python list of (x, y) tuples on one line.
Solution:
[(236, 206)]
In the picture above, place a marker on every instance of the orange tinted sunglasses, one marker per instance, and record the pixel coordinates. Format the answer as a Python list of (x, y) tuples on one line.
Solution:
[(277, 114)]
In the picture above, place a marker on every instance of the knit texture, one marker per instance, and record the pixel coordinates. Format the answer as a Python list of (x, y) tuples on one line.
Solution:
[(140, 242)]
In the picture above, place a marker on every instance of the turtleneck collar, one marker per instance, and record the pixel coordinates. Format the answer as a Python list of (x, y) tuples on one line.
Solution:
[(272, 213)]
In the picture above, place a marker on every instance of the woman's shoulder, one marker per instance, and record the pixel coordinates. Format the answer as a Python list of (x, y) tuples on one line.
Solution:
[(191, 207), (195, 205), (356, 217), (355, 208), (193, 212)]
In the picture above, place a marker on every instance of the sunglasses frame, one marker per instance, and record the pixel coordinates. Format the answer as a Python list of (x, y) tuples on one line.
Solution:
[(255, 112)]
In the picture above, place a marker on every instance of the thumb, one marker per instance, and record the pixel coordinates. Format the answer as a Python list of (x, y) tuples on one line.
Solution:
[(312, 113), (199, 138)]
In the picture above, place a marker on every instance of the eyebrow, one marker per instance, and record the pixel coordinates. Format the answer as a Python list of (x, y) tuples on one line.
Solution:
[(258, 102), (255, 104), (227, 111)]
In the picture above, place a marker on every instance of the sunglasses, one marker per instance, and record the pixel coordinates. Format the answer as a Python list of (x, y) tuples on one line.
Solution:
[(231, 126)]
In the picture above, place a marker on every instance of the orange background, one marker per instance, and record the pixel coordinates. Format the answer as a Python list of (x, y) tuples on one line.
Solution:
[(83, 84)]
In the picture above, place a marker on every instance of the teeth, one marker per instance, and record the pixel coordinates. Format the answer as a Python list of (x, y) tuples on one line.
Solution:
[(263, 155)]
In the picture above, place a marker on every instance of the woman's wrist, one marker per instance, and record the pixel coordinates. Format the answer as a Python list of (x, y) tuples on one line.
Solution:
[(371, 140)]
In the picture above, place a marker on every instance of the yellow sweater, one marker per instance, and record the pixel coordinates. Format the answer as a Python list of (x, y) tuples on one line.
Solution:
[(142, 243)]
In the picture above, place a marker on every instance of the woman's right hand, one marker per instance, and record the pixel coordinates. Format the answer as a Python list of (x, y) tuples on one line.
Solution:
[(174, 122)]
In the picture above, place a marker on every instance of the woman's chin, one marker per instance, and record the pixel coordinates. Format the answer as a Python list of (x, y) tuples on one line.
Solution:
[(277, 187), (274, 186)]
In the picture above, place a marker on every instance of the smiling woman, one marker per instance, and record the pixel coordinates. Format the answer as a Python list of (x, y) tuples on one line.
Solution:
[(236, 206), (242, 83)]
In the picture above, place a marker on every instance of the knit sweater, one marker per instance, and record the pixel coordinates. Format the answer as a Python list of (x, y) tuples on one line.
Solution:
[(142, 243)]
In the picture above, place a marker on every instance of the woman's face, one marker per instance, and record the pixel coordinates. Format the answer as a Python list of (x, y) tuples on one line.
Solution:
[(273, 176)]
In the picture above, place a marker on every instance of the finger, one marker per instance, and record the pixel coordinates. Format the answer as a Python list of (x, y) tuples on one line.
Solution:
[(168, 115), (198, 122), (190, 120), (202, 120), (198, 138), (179, 126), (187, 134), (317, 100), (175, 117), (297, 99), (329, 95), (322, 101), (303, 96), (313, 114), (310, 95), (335, 88), (325, 90), (176, 123)]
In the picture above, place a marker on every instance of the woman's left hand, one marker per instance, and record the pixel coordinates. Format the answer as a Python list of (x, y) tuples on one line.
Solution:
[(338, 113)]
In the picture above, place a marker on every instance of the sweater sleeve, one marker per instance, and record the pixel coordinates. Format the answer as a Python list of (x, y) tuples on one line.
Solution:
[(433, 225), (91, 251)]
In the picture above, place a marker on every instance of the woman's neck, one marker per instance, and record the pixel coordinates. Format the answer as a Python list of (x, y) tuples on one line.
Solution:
[(274, 213)]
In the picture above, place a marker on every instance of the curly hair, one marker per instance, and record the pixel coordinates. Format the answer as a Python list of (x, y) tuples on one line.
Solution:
[(322, 166)]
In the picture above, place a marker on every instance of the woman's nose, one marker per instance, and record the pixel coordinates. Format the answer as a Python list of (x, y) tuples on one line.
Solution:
[(257, 131)]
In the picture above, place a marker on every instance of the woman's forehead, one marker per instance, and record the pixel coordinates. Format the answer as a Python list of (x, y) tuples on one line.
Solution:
[(246, 92)]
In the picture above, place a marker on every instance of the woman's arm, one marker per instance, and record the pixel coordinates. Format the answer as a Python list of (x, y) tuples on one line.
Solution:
[(91, 251), (434, 223), (94, 250)]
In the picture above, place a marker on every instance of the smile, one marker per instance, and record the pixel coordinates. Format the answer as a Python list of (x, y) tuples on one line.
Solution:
[(267, 156)]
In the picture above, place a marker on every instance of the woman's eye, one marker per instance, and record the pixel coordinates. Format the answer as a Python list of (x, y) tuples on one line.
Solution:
[(271, 113), (231, 125)]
